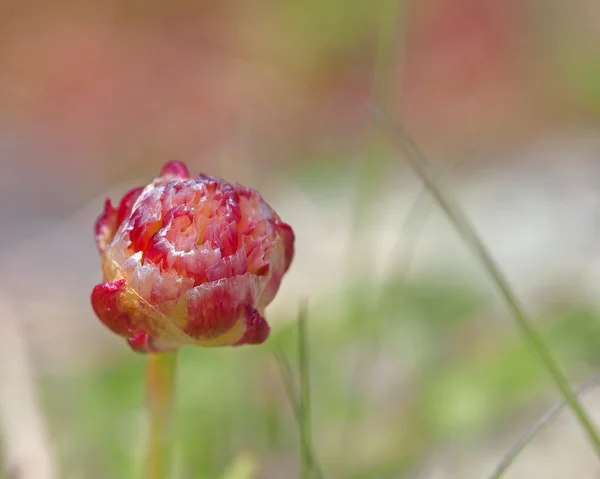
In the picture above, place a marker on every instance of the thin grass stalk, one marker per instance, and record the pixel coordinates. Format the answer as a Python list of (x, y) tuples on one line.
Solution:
[(371, 174), (382, 91), (299, 397), (531, 336), (305, 406), (287, 378), (545, 420)]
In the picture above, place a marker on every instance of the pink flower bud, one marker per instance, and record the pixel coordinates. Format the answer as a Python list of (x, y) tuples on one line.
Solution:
[(190, 261)]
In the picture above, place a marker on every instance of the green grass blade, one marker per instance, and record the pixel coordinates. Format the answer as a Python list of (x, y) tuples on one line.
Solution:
[(400, 259), (372, 170), (305, 405), (546, 419), (421, 166), (370, 175), (300, 398), (287, 377)]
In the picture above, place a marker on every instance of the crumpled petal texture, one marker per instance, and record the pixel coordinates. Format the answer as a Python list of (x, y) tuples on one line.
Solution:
[(189, 261)]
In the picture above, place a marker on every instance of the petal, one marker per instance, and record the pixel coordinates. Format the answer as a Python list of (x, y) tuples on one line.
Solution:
[(109, 221), (106, 226), (126, 205), (230, 266), (125, 313), (223, 235), (257, 328), (105, 301), (146, 220), (214, 308), (175, 169), (287, 235)]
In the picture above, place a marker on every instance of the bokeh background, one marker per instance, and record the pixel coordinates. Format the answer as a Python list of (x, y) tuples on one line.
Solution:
[(417, 370)]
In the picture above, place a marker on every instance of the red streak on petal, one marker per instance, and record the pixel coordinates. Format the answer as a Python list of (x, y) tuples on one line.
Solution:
[(233, 203), (214, 308), (126, 205), (263, 270), (288, 237), (255, 250), (234, 265), (213, 314), (105, 298), (228, 239), (157, 251), (257, 328), (143, 227), (177, 169), (106, 226)]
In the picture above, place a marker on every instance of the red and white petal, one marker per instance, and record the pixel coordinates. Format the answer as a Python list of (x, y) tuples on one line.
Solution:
[(257, 328), (106, 226), (214, 308), (126, 205), (286, 234), (175, 170), (105, 301)]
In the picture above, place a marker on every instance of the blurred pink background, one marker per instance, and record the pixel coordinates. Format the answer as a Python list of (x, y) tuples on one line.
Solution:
[(98, 92), (96, 97)]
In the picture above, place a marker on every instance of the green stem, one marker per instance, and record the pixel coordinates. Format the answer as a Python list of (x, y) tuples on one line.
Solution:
[(305, 413), (307, 452), (160, 381), (532, 337)]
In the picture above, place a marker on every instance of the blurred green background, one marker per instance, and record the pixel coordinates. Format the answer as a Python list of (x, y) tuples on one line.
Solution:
[(407, 367)]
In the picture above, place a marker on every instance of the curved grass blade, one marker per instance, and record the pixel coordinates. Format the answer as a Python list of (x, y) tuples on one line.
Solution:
[(300, 397), (287, 377), (545, 420), (400, 260), (531, 336), (373, 169)]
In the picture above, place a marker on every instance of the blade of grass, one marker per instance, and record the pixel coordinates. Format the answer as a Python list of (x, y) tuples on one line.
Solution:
[(372, 170), (369, 180), (531, 336), (300, 397), (305, 406), (417, 218), (287, 377), (545, 420), (400, 260)]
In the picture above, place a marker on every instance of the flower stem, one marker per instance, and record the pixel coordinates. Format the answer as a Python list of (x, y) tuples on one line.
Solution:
[(160, 381)]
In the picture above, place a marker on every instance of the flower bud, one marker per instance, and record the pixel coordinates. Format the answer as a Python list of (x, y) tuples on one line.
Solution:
[(189, 261)]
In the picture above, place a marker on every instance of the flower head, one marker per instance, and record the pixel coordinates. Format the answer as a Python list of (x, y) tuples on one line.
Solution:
[(189, 261)]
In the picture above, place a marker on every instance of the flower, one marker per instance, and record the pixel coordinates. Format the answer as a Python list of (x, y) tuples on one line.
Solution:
[(189, 261)]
